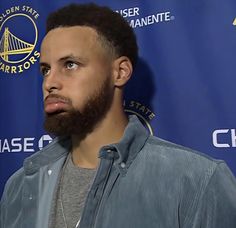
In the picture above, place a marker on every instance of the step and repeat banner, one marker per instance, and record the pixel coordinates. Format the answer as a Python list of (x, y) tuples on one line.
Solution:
[(183, 88)]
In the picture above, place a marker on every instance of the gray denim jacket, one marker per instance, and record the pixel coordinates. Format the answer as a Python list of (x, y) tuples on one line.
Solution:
[(141, 182)]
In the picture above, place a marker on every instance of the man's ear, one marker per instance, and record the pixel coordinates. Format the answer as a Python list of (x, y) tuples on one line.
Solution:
[(122, 71)]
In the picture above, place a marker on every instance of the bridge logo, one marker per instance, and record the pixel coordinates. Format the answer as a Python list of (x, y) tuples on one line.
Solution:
[(18, 38), (12, 45)]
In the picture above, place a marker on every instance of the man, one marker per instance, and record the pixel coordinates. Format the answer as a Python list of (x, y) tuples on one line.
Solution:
[(104, 170)]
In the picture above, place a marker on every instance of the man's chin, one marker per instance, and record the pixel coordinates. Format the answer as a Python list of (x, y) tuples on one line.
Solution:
[(63, 122)]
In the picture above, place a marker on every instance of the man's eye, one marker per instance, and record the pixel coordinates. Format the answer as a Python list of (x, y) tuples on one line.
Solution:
[(71, 65), (45, 71)]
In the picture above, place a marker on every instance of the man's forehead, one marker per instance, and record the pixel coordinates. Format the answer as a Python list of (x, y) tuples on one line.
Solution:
[(71, 38), (71, 32), (81, 41)]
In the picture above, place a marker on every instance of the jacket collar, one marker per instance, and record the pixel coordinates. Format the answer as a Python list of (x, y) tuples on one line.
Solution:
[(55, 150), (134, 138)]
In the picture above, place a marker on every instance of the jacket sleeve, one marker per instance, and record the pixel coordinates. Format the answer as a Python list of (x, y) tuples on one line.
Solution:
[(10, 194), (2, 210), (217, 206)]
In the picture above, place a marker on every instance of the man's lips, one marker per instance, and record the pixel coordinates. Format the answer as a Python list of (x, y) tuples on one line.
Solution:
[(55, 104)]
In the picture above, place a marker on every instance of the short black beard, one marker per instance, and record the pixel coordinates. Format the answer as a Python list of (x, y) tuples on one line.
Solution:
[(81, 123)]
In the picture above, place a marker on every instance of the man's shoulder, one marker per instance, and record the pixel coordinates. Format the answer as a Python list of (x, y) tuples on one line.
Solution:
[(49, 154), (175, 158), (13, 184), (174, 165), (169, 149)]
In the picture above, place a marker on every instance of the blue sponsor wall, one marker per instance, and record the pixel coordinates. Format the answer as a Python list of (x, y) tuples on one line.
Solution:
[(183, 88)]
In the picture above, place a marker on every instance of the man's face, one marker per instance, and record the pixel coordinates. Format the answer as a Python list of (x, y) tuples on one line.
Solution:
[(77, 84)]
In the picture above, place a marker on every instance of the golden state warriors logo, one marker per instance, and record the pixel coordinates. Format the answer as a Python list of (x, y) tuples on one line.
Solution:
[(144, 114), (18, 38)]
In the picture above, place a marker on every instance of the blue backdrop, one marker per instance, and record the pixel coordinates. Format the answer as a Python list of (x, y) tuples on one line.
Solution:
[(183, 88)]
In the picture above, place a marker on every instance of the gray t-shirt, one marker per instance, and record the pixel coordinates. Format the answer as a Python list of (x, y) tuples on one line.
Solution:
[(72, 190)]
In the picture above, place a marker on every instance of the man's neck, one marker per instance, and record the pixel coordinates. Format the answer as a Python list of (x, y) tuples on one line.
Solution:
[(110, 130)]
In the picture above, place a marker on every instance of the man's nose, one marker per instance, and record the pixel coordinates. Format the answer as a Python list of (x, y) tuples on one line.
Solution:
[(52, 82)]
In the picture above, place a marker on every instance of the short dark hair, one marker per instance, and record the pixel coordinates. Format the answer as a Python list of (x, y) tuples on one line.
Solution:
[(107, 23)]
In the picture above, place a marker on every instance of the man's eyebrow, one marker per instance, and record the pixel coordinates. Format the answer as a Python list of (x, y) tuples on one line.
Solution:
[(71, 57), (64, 58), (42, 64)]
